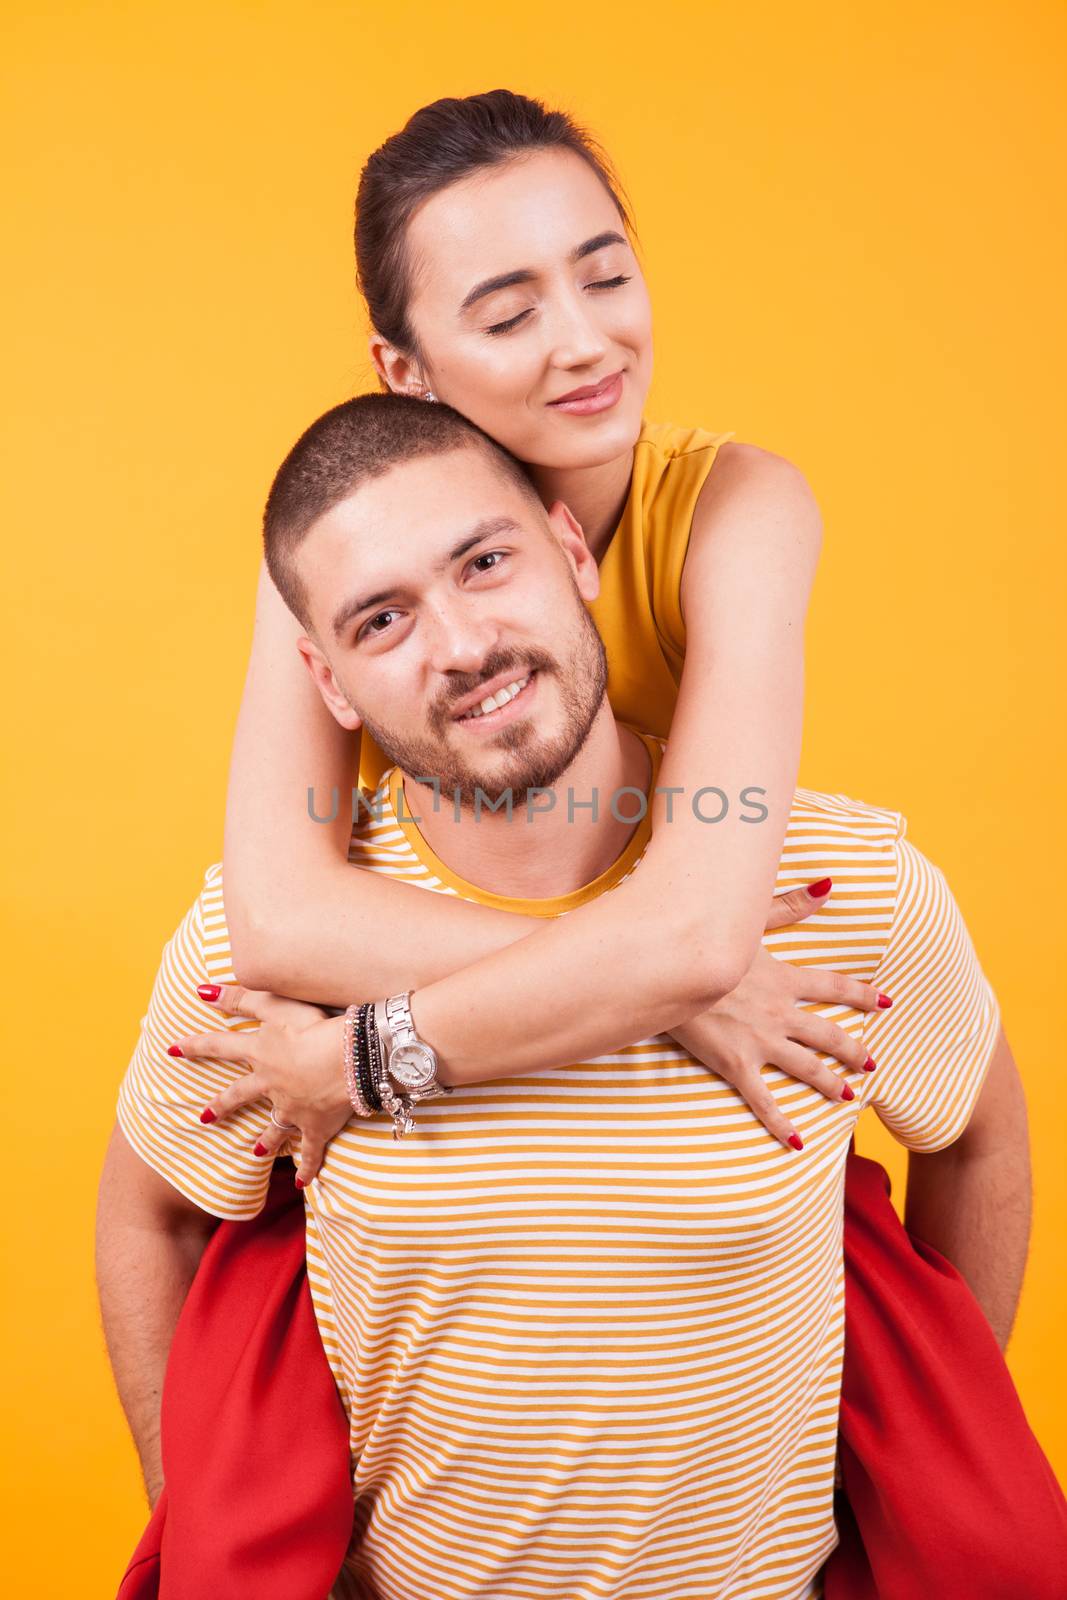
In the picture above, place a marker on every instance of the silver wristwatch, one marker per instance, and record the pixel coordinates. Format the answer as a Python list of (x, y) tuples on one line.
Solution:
[(410, 1061)]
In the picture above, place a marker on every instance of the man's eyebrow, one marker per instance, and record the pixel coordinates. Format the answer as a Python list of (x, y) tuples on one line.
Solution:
[(505, 280), (488, 528)]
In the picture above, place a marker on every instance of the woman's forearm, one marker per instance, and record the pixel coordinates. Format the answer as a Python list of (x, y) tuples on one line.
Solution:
[(346, 934)]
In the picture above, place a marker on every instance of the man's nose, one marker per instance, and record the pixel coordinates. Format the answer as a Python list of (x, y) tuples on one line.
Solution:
[(461, 639)]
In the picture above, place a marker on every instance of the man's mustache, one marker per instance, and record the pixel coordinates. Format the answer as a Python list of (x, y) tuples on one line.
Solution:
[(463, 684)]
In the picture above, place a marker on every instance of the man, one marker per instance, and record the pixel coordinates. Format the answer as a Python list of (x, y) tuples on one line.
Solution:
[(587, 1324)]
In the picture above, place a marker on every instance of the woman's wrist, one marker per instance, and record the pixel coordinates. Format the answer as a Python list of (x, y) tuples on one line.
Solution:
[(386, 1064)]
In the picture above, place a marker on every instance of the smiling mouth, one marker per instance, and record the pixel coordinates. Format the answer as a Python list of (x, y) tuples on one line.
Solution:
[(495, 702), (591, 392)]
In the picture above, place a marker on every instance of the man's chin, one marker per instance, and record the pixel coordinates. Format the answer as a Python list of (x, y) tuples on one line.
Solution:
[(529, 765)]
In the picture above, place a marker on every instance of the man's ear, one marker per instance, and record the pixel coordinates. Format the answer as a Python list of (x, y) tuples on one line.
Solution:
[(397, 371), (325, 682), (568, 530)]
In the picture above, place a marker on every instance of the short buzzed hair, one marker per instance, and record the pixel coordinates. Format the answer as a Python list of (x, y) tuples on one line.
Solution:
[(349, 445)]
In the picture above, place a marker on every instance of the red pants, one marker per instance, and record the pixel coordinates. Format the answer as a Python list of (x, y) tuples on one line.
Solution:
[(947, 1495)]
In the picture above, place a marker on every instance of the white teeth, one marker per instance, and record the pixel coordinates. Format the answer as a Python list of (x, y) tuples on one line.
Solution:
[(494, 701)]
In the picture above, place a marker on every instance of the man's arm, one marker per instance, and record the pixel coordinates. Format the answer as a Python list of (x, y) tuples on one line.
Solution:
[(149, 1240), (971, 1200)]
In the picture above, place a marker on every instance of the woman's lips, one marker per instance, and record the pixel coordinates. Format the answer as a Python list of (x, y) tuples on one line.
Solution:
[(603, 398)]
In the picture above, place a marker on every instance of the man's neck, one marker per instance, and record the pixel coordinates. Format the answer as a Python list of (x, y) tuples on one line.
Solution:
[(539, 853)]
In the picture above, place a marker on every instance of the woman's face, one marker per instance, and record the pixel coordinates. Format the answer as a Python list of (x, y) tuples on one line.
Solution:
[(524, 289)]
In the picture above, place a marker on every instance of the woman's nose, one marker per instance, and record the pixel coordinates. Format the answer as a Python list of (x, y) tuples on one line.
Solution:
[(577, 340)]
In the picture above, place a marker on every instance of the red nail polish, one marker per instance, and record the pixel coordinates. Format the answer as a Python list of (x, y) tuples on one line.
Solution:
[(846, 1092), (870, 1064), (208, 991), (174, 1050), (259, 1150), (300, 1183), (884, 1002), (823, 886), (796, 1141), (207, 1115)]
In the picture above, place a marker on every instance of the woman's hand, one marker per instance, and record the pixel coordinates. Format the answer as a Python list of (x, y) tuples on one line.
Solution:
[(759, 1023), (296, 1062)]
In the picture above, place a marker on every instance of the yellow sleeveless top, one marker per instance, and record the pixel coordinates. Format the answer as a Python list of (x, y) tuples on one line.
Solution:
[(638, 610)]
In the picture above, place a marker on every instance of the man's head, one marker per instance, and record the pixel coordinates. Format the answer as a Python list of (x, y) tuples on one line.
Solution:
[(420, 559)]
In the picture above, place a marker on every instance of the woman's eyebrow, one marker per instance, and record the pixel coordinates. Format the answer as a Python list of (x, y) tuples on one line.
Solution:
[(505, 280)]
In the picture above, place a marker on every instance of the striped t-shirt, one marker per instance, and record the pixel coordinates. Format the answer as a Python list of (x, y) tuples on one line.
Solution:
[(587, 1324)]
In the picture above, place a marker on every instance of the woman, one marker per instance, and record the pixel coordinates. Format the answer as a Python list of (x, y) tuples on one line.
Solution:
[(509, 289)]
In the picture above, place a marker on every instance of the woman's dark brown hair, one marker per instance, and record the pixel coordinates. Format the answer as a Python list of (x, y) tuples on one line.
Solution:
[(439, 145)]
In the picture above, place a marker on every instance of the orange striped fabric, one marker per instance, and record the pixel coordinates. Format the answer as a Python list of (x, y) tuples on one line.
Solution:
[(587, 1325)]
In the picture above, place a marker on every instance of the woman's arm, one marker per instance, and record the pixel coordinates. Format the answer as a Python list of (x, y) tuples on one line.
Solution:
[(302, 921), (688, 920)]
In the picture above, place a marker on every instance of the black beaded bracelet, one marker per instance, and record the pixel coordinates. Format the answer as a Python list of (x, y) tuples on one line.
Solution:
[(367, 1078), (375, 1047)]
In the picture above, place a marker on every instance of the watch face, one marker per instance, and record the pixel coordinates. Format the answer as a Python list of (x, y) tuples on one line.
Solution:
[(413, 1065)]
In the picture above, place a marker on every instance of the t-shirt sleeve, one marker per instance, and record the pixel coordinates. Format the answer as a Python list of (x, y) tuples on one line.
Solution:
[(161, 1096), (934, 1045)]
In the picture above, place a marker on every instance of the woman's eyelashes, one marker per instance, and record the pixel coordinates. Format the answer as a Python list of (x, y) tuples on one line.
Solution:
[(506, 327), (513, 322)]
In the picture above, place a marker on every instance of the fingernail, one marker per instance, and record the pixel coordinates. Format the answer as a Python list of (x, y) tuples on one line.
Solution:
[(846, 1092), (884, 1002), (208, 991), (823, 886), (259, 1150), (796, 1141), (870, 1064), (174, 1050), (300, 1183), (207, 1115)]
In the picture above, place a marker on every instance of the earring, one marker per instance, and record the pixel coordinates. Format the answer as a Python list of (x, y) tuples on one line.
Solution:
[(429, 395)]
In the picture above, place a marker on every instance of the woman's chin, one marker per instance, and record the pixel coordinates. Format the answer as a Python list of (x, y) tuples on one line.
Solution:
[(575, 445)]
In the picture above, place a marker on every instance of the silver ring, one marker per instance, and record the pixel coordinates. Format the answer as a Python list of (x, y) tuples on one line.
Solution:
[(287, 1126)]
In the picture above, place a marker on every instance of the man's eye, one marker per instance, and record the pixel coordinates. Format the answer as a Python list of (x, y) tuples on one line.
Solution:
[(368, 626), (490, 555), (609, 283)]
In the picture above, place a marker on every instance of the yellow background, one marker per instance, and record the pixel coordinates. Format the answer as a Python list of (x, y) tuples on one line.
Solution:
[(852, 219)]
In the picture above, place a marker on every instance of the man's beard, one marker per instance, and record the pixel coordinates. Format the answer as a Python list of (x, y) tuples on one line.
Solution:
[(531, 762)]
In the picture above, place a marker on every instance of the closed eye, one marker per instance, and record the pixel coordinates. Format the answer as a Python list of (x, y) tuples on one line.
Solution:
[(513, 322)]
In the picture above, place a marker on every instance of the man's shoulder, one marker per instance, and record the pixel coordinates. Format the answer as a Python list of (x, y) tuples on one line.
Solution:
[(840, 837), (855, 844), (843, 814), (199, 947)]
